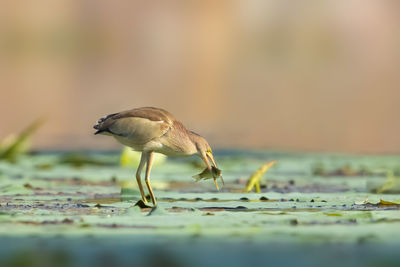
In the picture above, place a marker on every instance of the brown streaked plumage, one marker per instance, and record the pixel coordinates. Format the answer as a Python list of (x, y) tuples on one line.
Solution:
[(154, 130)]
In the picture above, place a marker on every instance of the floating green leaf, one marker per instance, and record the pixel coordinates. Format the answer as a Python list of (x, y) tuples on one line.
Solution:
[(391, 182), (12, 147), (254, 180)]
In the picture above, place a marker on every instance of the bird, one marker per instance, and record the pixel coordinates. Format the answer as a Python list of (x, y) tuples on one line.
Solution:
[(154, 130)]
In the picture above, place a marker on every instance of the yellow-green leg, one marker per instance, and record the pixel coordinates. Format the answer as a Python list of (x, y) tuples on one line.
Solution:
[(138, 178), (149, 159)]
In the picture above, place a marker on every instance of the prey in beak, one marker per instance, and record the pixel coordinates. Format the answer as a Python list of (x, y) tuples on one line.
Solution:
[(211, 171), (217, 174)]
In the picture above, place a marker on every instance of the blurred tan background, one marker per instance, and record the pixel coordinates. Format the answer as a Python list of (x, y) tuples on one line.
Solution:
[(297, 75)]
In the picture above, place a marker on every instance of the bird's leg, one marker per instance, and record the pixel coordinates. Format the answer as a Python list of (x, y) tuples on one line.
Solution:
[(149, 157), (138, 178)]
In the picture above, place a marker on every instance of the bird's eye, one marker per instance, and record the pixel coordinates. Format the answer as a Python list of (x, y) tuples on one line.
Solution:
[(209, 151)]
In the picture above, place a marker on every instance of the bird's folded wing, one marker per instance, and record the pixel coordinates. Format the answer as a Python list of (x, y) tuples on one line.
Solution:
[(139, 125), (150, 113), (138, 130)]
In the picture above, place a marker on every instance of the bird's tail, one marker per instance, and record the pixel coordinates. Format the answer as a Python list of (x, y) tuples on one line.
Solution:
[(100, 124)]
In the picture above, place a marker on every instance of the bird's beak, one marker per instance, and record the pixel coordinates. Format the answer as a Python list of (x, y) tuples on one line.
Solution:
[(222, 180), (210, 156), (204, 157), (216, 183)]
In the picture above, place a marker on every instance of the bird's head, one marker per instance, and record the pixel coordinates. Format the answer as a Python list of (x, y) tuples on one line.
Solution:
[(205, 152)]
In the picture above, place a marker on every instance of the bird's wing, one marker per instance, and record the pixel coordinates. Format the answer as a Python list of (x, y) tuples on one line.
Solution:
[(138, 125)]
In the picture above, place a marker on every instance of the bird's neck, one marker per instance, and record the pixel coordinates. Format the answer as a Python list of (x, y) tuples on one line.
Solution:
[(180, 140), (194, 137), (198, 141)]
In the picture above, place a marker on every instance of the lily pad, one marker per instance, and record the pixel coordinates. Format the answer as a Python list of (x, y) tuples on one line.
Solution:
[(91, 208)]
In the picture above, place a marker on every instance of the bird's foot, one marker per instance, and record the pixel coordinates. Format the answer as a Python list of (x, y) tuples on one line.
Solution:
[(142, 204)]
